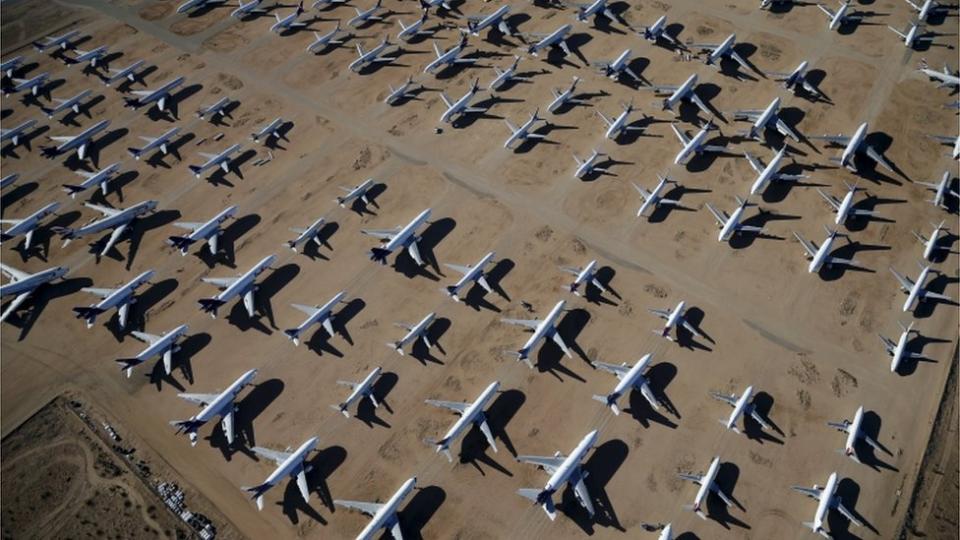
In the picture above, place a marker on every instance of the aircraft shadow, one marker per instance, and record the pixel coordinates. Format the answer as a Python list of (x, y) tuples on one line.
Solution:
[(434, 332), (726, 480), (870, 427), (476, 296), (849, 492), (550, 356), (267, 288), (366, 412), (36, 305), (659, 377), (605, 461), (226, 244), (762, 404), (474, 446), (249, 408), (924, 308), (421, 508)]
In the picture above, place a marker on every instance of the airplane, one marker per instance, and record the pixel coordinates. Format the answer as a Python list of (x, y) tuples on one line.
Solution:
[(460, 107), (99, 178), (730, 224), (63, 41), (769, 172), (505, 76), (666, 533), (358, 192), (8, 180), (33, 84), (945, 77), (129, 73), (827, 499), (820, 257), (449, 57), (402, 92), (221, 160), (289, 22), (365, 16), (930, 244), (523, 133), (471, 274), (160, 142), (708, 484), (949, 140), (358, 391), (198, 4), (372, 56), (911, 35), (292, 464), (427, 4), (898, 351), (840, 17), (163, 345), (13, 134), (222, 404), (741, 405), (853, 145), (621, 124), (384, 516), (629, 378), (676, 94), (562, 98), (414, 30), (158, 96), (207, 231), (315, 314), (243, 285), (497, 19), (121, 298), (398, 237), (768, 118), (322, 41), (844, 208), (854, 433), (927, 8), (470, 413), (72, 103), (695, 144), (542, 329), (724, 50), (588, 166), (250, 8), (417, 331), (80, 141), (557, 38), (10, 66), (797, 80), (215, 110), (915, 291), (594, 9), (562, 470), (654, 198), (270, 130), (23, 284), (584, 276), (675, 319), (118, 219), (92, 56), (26, 226), (658, 31), (307, 234), (619, 66)]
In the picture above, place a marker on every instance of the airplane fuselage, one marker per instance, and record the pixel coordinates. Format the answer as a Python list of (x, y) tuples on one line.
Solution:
[(355, 193), (739, 407), (853, 432), (916, 290), (572, 462), (553, 38), (706, 482), (654, 197), (822, 254), (546, 326), (223, 403), (674, 318), (472, 414), (293, 463), (732, 224), (768, 173), (362, 389), (722, 50), (405, 235), (160, 142), (634, 377), (583, 276), (29, 223), (680, 93), (475, 272), (654, 31), (33, 281), (851, 149), (388, 511), (490, 20), (243, 284), (164, 345), (768, 114), (691, 147)]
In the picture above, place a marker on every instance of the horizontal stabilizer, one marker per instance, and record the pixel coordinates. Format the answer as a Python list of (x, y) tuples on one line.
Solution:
[(210, 305), (88, 313), (181, 242)]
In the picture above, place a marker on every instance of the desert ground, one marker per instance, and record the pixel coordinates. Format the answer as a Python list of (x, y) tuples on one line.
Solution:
[(807, 343)]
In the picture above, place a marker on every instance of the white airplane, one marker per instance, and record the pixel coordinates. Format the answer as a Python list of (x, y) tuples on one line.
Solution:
[(542, 329), (564, 97), (270, 130), (915, 291), (588, 166), (854, 433), (741, 406), (322, 41), (197, 5), (820, 256), (315, 314), (72, 104), (925, 9), (154, 143), (707, 483), (222, 404), (930, 244), (129, 73), (449, 57), (289, 22), (404, 91), (768, 118), (797, 80), (584, 276), (621, 124), (523, 133), (414, 30), (398, 237), (372, 56), (619, 66), (844, 208), (694, 145), (384, 516), (289, 464), (365, 16), (122, 298), (629, 378), (414, 332), (358, 391), (557, 38), (598, 7), (461, 107), (221, 160), (250, 8), (562, 470), (898, 351), (505, 76), (946, 77), (99, 179), (471, 274), (675, 319), (497, 19), (22, 284), (354, 193), (853, 145), (215, 110), (470, 413), (92, 56), (827, 499), (158, 96), (26, 226), (438, 4), (163, 345), (949, 140), (118, 219), (840, 17), (305, 235), (13, 134), (63, 41), (207, 232), (8, 180), (730, 224), (10, 66), (33, 84), (79, 142), (655, 198), (243, 285), (658, 31), (724, 50), (675, 94), (769, 172), (911, 35)]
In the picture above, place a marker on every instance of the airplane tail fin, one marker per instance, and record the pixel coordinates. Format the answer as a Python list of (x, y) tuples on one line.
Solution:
[(380, 255), (189, 427), (195, 170), (542, 498), (127, 365), (342, 409), (609, 401), (210, 305), (87, 313), (73, 189), (258, 492), (451, 291), (181, 242), (135, 152)]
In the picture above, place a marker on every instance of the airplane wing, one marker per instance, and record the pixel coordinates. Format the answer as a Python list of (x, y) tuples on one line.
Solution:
[(726, 500), (207, 155), (840, 260), (364, 507), (309, 310), (847, 513), (835, 139), (143, 336), (616, 369), (529, 323), (226, 422), (188, 225), (683, 138), (840, 426), (826, 10), (686, 324), (888, 344), (62, 139), (756, 416), (105, 210), (703, 46), (581, 491), (662, 313), (661, 88), (415, 253), (809, 247), (754, 162), (13, 273), (559, 341), (385, 234), (695, 478), (458, 268), (102, 293), (273, 455), (719, 216), (874, 155), (221, 283), (905, 283), (549, 464), (446, 99), (699, 103), (142, 93), (738, 59), (751, 114), (454, 406), (729, 400), (935, 296), (830, 199), (199, 399)]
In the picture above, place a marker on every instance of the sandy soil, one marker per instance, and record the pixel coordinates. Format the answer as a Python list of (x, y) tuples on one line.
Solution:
[(807, 343)]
